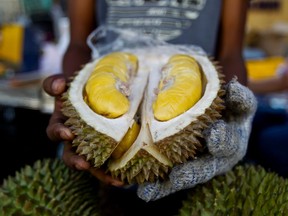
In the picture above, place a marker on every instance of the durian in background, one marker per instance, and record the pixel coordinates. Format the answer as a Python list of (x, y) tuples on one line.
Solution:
[(139, 112), (246, 190), (49, 187)]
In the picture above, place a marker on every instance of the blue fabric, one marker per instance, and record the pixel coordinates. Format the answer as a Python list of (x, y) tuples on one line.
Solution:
[(268, 144), (273, 148), (31, 51)]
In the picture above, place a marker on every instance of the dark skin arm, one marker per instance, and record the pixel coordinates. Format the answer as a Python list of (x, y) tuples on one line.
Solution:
[(270, 85), (231, 37), (82, 22), (232, 32)]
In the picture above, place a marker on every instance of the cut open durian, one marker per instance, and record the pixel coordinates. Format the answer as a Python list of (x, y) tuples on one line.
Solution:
[(141, 111)]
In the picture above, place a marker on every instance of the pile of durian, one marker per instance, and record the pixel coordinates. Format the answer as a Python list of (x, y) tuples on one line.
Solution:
[(49, 187), (246, 190), (139, 112)]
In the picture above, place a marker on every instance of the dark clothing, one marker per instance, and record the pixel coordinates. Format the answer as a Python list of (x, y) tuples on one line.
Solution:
[(177, 22), (124, 202), (268, 144)]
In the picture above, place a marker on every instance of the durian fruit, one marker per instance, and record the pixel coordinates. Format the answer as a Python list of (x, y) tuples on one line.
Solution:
[(138, 112), (49, 187), (246, 190)]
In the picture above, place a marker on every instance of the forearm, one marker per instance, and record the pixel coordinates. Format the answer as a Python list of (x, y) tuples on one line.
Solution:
[(82, 22), (75, 57), (266, 85), (231, 37), (234, 66)]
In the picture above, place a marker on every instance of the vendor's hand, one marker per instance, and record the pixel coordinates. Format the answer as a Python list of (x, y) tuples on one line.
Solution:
[(56, 131), (226, 139)]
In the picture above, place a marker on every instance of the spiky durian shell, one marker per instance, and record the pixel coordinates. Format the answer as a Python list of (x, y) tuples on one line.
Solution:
[(246, 190), (186, 143), (49, 188), (178, 148), (95, 146)]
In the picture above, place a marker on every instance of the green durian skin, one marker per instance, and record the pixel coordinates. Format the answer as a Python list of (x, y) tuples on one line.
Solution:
[(49, 187), (185, 145), (246, 190), (93, 145)]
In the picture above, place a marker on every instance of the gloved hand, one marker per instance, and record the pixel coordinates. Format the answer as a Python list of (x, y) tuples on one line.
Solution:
[(226, 140)]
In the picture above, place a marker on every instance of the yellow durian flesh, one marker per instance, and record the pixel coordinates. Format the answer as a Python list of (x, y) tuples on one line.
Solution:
[(122, 62), (127, 141), (179, 89), (157, 144), (103, 96), (119, 72), (103, 90)]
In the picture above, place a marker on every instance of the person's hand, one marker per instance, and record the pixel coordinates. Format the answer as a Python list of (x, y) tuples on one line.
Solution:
[(55, 86), (226, 139)]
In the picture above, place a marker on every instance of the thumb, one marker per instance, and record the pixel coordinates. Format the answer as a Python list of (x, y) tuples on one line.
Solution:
[(239, 99)]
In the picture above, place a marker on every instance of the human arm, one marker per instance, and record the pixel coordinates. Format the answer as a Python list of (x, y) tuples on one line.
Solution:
[(229, 53), (230, 39), (82, 21), (277, 83), (77, 54)]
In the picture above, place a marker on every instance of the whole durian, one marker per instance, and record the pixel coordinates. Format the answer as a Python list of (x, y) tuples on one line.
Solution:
[(246, 190), (49, 188), (138, 112)]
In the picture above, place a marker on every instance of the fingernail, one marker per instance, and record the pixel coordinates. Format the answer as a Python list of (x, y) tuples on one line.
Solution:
[(57, 85), (65, 134)]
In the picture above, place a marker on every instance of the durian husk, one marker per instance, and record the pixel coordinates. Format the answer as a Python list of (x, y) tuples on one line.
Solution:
[(95, 146), (149, 163), (246, 190), (178, 148), (49, 187), (186, 143), (181, 147)]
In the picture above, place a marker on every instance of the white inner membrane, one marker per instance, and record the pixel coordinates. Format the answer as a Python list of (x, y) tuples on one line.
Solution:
[(151, 61)]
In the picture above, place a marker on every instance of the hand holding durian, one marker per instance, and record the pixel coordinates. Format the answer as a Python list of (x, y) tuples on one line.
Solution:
[(154, 115), (55, 85), (226, 140)]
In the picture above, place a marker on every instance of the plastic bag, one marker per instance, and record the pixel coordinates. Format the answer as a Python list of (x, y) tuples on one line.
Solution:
[(106, 39)]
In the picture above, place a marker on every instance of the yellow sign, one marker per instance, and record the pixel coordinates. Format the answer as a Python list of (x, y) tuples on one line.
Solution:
[(263, 68), (11, 43)]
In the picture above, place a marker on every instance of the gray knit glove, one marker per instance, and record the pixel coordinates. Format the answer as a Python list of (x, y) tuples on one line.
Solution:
[(227, 141)]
